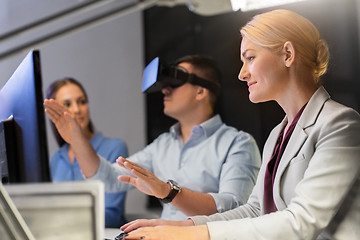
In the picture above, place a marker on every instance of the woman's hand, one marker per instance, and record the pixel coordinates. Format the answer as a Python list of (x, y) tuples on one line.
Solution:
[(144, 180), (67, 126), (170, 233), (131, 226)]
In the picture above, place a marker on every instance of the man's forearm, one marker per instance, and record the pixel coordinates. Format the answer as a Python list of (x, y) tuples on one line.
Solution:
[(194, 203)]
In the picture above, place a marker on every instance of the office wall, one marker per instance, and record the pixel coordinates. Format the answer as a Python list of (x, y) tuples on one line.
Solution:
[(107, 58)]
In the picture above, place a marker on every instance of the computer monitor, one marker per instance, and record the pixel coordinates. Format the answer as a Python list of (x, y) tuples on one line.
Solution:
[(58, 211), (23, 143)]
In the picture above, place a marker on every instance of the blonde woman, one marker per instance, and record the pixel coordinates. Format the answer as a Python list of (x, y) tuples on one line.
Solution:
[(308, 184)]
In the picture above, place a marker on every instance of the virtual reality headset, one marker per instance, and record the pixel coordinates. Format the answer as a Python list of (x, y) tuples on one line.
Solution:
[(157, 76)]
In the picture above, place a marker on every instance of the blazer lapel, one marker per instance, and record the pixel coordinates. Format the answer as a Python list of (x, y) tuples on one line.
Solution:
[(293, 147), (297, 139)]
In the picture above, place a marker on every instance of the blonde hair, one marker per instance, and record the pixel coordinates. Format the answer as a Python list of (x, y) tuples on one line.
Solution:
[(272, 29)]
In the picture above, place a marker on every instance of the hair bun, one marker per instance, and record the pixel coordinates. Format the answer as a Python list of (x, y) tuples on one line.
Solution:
[(322, 58)]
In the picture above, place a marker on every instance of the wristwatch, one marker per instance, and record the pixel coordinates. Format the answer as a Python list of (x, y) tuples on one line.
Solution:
[(174, 189)]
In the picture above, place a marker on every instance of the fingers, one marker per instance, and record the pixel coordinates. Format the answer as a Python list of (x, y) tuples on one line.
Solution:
[(129, 179), (131, 226), (54, 110), (126, 179), (50, 111), (130, 167), (54, 116), (137, 234), (54, 105), (122, 162), (133, 168), (126, 225)]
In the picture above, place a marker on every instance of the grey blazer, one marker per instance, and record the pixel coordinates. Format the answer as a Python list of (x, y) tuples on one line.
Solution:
[(316, 188)]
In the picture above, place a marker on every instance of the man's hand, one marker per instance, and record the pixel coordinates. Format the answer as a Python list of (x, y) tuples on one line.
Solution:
[(67, 126), (144, 180)]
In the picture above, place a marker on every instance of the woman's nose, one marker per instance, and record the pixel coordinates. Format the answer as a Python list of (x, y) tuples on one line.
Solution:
[(75, 108), (243, 74)]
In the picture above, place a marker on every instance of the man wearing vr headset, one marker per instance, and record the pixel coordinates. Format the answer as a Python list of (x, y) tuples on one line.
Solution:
[(201, 166)]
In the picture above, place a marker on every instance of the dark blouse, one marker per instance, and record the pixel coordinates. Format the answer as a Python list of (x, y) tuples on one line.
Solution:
[(281, 143)]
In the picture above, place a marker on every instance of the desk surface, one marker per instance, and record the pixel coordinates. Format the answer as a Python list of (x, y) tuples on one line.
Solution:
[(111, 233)]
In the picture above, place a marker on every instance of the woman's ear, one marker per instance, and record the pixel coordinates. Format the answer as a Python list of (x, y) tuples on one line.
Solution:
[(289, 53)]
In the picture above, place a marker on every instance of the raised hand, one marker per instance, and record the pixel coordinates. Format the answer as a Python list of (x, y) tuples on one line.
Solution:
[(144, 180), (66, 125)]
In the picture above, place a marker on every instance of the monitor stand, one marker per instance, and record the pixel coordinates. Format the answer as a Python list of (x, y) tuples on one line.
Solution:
[(8, 152)]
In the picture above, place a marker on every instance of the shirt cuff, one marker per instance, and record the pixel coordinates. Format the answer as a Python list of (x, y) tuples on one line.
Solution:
[(199, 220), (102, 171), (225, 202)]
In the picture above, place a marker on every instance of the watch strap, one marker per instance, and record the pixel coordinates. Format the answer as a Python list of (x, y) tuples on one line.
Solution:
[(174, 190)]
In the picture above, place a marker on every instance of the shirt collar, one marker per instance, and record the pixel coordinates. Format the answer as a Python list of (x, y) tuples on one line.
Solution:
[(207, 128)]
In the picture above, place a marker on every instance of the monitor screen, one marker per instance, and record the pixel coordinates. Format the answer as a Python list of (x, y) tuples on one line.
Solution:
[(24, 151)]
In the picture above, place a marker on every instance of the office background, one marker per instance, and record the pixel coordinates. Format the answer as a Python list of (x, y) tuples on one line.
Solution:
[(106, 44), (170, 33)]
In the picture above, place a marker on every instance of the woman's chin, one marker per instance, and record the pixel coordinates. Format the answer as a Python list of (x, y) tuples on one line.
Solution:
[(84, 127), (253, 99)]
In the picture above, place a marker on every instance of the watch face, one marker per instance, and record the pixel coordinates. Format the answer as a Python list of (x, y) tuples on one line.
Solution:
[(174, 185), (175, 189)]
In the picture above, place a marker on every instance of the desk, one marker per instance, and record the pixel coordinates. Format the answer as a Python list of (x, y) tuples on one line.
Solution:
[(111, 233)]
